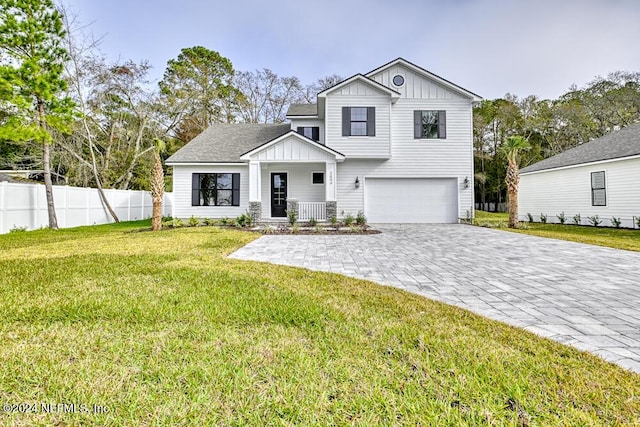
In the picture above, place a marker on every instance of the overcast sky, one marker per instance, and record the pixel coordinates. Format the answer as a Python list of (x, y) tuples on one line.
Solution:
[(489, 47)]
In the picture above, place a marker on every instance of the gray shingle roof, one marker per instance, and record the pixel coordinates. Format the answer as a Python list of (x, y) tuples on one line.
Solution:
[(622, 143), (302, 110), (225, 143)]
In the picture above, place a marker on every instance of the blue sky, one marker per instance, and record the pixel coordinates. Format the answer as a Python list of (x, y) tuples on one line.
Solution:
[(490, 47)]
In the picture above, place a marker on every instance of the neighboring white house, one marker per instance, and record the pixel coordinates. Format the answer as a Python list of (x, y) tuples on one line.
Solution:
[(395, 143), (601, 177)]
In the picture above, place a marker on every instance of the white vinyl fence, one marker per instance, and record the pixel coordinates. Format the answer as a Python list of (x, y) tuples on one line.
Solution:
[(25, 205)]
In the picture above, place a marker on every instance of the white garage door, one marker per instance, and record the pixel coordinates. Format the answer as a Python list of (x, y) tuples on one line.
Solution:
[(411, 200)]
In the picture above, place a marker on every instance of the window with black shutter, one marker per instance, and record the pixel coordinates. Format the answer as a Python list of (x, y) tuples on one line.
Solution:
[(358, 121), (430, 124), (598, 189), (215, 189), (311, 132)]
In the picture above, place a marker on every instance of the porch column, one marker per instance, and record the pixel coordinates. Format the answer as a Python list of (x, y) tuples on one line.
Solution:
[(255, 193), (330, 181), (330, 190)]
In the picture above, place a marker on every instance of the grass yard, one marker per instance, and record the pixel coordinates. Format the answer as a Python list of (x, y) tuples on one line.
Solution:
[(161, 329), (602, 236)]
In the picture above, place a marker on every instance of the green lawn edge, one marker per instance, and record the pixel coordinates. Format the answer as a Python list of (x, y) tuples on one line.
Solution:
[(617, 238)]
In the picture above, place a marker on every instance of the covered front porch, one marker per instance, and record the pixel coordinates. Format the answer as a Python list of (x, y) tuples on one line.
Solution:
[(292, 174)]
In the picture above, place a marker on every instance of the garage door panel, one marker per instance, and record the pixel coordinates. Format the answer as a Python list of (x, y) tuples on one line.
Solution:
[(411, 200)]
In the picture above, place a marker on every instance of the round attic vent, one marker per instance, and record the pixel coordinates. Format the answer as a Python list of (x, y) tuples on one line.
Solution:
[(398, 80)]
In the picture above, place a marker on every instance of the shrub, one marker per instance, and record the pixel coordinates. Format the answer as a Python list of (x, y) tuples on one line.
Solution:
[(334, 220), (269, 229), (178, 223), (595, 220), (244, 220), (543, 218), (467, 217), (226, 221), (361, 220), (292, 217), (529, 217), (577, 220), (562, 218), (167, 218), (313, 222), (616, 222), (193, 221), (295, 228), (318, 229), (16, 229), (210, 221), (638, 221), (348, 220)]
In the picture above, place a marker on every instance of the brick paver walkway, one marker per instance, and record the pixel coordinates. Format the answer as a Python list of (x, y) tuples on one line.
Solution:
[(581, 295)]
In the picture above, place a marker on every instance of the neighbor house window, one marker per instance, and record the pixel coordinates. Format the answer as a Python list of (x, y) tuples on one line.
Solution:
[(598, 190), (317, 178), (215, 189), (430, 124), (311, 132), (358, 121)]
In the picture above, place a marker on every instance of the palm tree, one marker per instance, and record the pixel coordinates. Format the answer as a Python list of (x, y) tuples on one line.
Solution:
[(511, 149), (157, 185)]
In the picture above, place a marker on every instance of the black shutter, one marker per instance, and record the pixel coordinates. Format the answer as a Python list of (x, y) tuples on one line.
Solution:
[(346, 121), (442, 124), (301, 130), (417, 124), (235, 189), (371, 121), (315, 133), (195, 189)]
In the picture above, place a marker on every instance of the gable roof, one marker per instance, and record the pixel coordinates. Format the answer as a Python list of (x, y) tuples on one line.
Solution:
[(364, 79), (301, 138), (446, 83), (302, 110), (616, 145), (225, 143)]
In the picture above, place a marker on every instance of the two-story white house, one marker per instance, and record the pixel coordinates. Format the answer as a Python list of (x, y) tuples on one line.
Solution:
[(395, 143)]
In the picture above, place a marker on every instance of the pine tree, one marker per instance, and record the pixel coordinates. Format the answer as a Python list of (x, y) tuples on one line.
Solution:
[(32, 86)]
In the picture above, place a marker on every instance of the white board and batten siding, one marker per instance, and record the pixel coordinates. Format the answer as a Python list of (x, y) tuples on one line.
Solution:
[(182, 190), (415, 86), (568, 190), (358, 94), (294, 150), (449, 159)]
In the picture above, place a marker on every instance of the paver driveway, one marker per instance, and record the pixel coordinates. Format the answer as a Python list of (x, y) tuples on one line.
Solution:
[(581, 295)]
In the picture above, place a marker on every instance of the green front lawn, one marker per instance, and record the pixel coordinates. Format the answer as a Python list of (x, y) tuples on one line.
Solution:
[(162, 329), (602, 236)]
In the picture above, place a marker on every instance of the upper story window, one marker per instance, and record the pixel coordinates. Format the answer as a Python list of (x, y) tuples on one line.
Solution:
[(598, 189), (430, 124), (215, 189), (358, 121), (311, 132)]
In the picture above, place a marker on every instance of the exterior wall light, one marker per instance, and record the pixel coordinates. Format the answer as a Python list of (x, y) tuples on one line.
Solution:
[(357, 182), (466, 182)]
